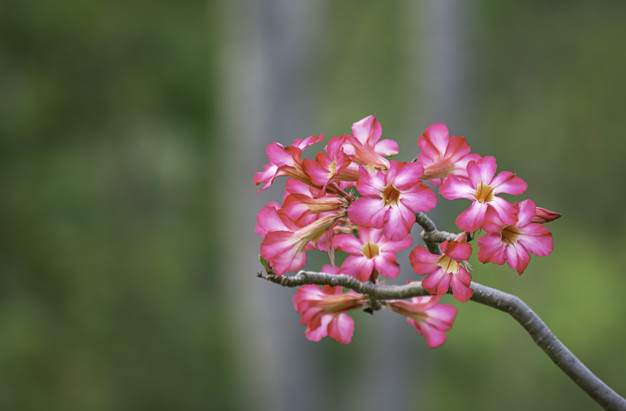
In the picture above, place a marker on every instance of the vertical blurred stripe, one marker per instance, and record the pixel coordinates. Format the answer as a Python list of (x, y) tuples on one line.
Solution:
[(265, 64)]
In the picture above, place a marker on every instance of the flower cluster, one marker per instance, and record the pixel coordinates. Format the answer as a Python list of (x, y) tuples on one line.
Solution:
[(353, 198)]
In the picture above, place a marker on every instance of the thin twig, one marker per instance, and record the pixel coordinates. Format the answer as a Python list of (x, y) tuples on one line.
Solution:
[(510, 304)]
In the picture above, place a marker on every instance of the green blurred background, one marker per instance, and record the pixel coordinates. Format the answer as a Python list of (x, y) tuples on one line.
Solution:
[(130, 134)]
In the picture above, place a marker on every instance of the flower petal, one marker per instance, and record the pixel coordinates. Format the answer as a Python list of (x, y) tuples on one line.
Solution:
[(398, 222), (457, 187), (367, 211), (507, 182), (341, 328), (536, 239), (491, 249), (472, 219)]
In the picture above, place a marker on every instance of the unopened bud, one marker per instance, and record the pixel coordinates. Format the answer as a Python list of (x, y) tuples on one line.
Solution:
[(543, 216)]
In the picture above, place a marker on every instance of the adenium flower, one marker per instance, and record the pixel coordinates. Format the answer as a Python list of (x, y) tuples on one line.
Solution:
[(443, 155), (370, 254), (364, 146), (429, 318), (513, 243), (285, 243), (391, 200), (324, 311), (444, 270), (335, 165), (285, 161), (482, 188), (304, 209)]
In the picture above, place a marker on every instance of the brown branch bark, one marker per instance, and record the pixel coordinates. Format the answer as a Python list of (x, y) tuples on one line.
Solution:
[(510, 304)]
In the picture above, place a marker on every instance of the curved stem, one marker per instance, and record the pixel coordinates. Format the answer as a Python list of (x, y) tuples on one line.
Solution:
[(497, 299), (510, 304)]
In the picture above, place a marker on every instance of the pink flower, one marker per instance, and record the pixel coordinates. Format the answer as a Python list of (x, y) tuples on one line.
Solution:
[(324, 311), (429, 319), (445, 270), (513, 243), (391, 200), (269, 219), (304, 209), (364, 146), (285, 161), (481, 187), (443, 155), (370, 254), (285, 243), (335, 165)]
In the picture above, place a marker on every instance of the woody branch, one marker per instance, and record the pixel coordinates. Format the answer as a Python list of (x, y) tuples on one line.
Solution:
[(510, 304)]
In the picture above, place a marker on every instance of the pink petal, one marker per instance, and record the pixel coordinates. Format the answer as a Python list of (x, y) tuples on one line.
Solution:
[(457, 149), (341, 328), (398, 222), (491, 249), (348, 243), (437, 282), (472, 219), (281, 156), (370, 183), (457, 187), (387, 267), (422, 261), (281, 252), (403, 175), (517, 257), (526, 212), (434, 337), (507, 182), (419, 198), (488, 167), (359, 267), (309, 141), (368, 130), (387, 148), (457, 251), (460, 288), (537, 239), (395, 246), (320, 331), (434, 141), (492, 223), (505, 210), (367, 211)]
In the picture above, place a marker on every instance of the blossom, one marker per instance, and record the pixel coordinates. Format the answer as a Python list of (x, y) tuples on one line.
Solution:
[(513, 243), (370, 254), (324, 311), (365, 147), (285, 243), (429, 318), (391, 200), (481, 187), (443, 155), (304, 209), (444, 270), (285, 161), (335, 165)]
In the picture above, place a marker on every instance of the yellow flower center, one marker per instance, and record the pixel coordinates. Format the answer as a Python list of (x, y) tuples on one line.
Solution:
[(332, 168), (391, 195), (448, 264), (510, 234), (484, 193), (370, 250)]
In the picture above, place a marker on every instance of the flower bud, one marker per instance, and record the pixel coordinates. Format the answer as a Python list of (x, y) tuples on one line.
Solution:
[(543, 216)]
